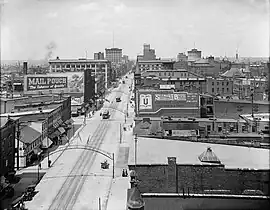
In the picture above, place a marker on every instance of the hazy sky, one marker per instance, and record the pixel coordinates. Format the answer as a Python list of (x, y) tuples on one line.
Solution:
[(170, 26)]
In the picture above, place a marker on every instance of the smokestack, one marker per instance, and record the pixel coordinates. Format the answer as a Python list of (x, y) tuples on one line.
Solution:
[(25, 68)]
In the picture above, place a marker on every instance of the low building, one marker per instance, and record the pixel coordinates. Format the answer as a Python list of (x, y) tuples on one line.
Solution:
[(169, 166), (179, 80), (157, 64), (219, 86), (230, 108), (244, 87), (257, 122)]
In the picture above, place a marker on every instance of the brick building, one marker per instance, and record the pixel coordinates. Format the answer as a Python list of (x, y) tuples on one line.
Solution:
[(195, 168), (7, 142), (180, 80), (219, 86)]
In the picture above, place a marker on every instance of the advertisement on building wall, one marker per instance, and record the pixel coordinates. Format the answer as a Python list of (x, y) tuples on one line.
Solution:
[(45, 83), (153, 101), (58, 81)]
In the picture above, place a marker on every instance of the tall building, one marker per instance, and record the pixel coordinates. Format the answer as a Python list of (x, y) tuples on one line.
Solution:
[(194, 55), (114, 55), (99, 56), (148, 53)]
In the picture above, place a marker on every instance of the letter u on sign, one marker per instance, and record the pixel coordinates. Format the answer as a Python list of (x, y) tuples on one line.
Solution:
[(145, 101)]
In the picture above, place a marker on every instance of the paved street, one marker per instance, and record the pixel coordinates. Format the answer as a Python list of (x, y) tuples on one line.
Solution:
[(70, 182)]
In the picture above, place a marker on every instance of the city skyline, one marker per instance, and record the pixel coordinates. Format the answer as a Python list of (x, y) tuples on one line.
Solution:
[(214, 27)]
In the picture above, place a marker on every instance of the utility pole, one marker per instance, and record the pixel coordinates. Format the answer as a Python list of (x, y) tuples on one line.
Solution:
[(113, 164), (136, 140), (18, 144)]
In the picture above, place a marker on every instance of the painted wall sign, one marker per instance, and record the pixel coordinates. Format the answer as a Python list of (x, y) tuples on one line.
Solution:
[(145, 101), (171, 97), (44, 83)]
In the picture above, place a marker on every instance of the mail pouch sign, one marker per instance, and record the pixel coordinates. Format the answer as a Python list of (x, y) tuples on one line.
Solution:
[(44, 83)]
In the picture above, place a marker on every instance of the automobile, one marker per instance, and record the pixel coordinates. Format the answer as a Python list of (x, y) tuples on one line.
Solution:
[(106, 114), (118, 99), (126, 77)]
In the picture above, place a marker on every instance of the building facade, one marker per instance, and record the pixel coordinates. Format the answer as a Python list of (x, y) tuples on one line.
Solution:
[(219, 86), (144, 65), (148, 53), (194, 55), (100, 67), (7, 145), (113, 54), (99, 56), (179, 80)]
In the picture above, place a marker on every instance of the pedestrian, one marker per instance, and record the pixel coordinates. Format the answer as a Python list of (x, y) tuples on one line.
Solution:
[(126, 173), (39, 165)]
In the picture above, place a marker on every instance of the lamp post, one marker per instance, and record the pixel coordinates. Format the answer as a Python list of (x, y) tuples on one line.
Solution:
[(113, 164), (136, 141)]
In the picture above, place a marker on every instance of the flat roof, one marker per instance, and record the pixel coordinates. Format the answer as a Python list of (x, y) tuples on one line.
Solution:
[(26, 113), (76, 61), (174, 119), (155, 151)]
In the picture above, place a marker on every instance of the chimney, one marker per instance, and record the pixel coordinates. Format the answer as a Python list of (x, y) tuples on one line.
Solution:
[(172, 185), (25, 68)]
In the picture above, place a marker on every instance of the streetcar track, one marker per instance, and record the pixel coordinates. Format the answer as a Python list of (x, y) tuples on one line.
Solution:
[(66, 196)]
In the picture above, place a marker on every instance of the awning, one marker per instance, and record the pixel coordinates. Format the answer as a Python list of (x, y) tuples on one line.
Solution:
[(47, 142), (62, 130), (54, 134)]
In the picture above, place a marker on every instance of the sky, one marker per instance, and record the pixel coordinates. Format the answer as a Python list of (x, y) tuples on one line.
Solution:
[(69, 28)]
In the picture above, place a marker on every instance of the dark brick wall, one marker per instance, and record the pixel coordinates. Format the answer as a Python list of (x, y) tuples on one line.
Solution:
[(196, 178)]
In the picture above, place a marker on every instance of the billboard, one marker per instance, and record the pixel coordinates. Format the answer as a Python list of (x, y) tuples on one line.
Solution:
[(45, 83), (55, 82), (155, 102)]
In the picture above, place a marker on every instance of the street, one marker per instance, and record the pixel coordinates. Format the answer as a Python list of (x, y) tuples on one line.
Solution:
[(76, 181)]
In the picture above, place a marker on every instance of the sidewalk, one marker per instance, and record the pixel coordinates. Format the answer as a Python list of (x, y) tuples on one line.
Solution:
[(118, 191)]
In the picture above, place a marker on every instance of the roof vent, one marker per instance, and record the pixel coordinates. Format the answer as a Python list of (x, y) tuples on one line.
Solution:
[(209, 156)]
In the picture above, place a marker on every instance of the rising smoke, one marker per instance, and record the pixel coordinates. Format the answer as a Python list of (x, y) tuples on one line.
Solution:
[(50, 48)]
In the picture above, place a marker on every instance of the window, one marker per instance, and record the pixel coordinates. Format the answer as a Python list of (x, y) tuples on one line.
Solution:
[(213, 90), (159, 74), (172, 73), (169, 74), (67, 66), (88, 66), (217, 83), (217, 89), (164, 73), (6, 163), (222, 90), (227, 89), (227, 83), (213, 83), (57, 66), (78, 66), (222, 83)]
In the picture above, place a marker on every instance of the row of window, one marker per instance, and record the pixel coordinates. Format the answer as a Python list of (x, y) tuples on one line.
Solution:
[(222, 83), (79, 66), (222, 90)]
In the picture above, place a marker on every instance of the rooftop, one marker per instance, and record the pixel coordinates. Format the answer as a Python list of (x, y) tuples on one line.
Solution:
[(4, 120), (29, 134), (76, 61), (17, 114), (155, 151)]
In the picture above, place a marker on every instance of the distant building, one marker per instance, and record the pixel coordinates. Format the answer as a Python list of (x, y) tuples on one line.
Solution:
[(155, 64), (114, 55), (179, 80), (99, 56), (148, 53), (182, 57), (125, 59), (194, 55), (219, 86), (75, 65)]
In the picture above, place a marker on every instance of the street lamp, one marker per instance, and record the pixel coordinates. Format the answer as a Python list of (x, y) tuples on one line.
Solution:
[(136, 141)]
